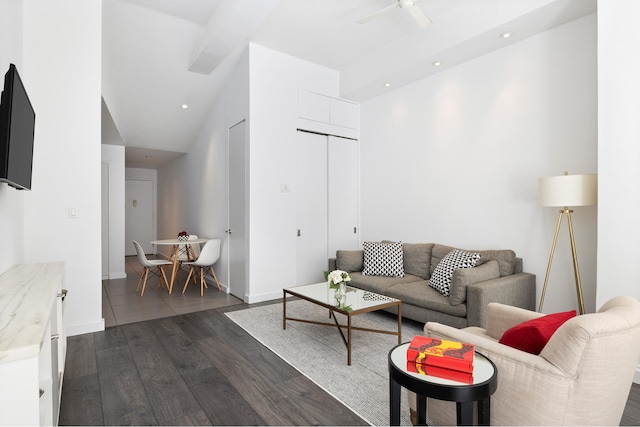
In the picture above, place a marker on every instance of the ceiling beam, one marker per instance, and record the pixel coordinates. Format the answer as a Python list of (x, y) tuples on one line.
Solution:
[(231, 24)]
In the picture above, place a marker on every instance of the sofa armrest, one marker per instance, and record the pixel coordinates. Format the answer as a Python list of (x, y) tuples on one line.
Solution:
[(518, 290), (332, 264)]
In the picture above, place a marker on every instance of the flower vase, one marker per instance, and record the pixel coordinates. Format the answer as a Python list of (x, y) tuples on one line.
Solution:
[(341, 294)]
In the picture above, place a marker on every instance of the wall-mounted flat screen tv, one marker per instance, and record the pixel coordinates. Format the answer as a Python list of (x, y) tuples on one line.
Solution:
[(17, 124)]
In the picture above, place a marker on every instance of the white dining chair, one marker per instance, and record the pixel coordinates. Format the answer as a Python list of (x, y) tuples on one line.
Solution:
[(148, 264), (188, 252), (208, 256)]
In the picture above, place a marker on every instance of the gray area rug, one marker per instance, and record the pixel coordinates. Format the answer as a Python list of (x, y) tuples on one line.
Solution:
[(319, 353)]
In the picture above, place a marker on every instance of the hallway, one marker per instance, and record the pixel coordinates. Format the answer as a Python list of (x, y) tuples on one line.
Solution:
[(121, 304)]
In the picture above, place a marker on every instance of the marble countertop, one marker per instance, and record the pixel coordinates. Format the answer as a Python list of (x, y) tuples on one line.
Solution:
[(27, 293)]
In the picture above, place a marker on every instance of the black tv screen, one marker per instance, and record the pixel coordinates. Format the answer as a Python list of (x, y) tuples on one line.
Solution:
[(17, 124)]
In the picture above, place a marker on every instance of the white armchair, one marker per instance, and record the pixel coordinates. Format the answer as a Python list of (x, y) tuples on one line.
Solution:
[(582, 376)]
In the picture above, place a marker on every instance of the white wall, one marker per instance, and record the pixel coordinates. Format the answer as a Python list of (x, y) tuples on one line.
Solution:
[(11, 200), (62, 72), (455, 158), (618, 149), (275, 81), (193, 190), (113, 155)]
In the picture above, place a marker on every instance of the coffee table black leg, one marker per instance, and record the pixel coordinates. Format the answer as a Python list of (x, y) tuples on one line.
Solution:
[(464, 413), (394, 403), (421, 410), (484, 412)]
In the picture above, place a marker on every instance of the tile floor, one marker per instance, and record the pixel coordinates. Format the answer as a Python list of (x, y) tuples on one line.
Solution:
[(121, 304)]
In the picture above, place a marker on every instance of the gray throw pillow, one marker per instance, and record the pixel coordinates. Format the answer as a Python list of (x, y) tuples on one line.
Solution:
[(464, 277), (383, 259)]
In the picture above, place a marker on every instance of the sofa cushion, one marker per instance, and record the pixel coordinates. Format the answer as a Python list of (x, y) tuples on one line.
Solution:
[(457, 258), (380, 284), (417, 259), (506, 258), (464, 277), (531, 336), (350, 261), (420, 294), (383, 259)]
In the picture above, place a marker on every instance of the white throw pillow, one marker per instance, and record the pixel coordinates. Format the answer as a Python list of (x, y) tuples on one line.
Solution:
[(383, 259), (457, 258)]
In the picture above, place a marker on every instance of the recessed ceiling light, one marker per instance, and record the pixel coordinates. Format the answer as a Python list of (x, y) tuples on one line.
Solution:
[(436, 63), (505, 35), (184, 106), (387, 84)]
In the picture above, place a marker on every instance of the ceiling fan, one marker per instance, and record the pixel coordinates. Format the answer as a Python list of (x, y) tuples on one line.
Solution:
[(409, 5)]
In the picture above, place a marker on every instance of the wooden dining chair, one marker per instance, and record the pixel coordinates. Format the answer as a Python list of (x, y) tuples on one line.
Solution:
[(209, 255), (148, 264)]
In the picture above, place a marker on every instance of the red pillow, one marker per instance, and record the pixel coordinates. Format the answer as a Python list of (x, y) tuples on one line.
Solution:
[(531, 336)]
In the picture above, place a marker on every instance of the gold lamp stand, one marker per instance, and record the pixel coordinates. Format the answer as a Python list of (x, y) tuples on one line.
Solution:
[(568, 212)]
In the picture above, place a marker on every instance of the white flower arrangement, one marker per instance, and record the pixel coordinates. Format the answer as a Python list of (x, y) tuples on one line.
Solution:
[(336, 277)]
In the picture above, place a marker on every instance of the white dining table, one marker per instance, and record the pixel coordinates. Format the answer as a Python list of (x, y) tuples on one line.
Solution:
[(176, 251)]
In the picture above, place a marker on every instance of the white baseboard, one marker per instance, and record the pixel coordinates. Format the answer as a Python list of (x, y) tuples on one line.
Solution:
[(86, 328), (122, 275), (636, 377), (252, 299)]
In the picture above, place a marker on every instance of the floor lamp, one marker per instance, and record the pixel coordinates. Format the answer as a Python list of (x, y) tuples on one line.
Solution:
[(567, 190)]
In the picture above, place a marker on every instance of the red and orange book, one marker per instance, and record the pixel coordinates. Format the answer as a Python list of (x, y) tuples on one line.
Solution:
[(441, 353), (434, 371)]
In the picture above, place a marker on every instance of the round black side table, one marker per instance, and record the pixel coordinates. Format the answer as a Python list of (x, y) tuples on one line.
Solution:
[(485, 383)]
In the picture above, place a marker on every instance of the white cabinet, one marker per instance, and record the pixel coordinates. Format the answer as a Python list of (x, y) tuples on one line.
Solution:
[(311, 207), (326, 181), (326, 201), (32, 344), (327, 115)]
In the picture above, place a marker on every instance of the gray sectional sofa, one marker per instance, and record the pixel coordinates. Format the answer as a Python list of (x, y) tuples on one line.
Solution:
[(497, 277)]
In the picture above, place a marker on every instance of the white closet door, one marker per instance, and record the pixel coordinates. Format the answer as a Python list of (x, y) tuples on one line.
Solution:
[(342, 195), (311, 205)]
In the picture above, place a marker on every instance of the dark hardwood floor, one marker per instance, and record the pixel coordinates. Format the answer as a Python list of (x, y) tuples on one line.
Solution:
[(631, 415), (198, 369), (192, 369)]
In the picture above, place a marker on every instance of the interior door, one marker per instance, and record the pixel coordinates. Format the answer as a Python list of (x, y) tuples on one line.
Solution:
[(238, 204), (105, 219), (138, 213), (311, 207), (342, 194)]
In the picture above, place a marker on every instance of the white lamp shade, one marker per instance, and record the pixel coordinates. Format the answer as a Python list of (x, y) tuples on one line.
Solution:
[(568, 190)]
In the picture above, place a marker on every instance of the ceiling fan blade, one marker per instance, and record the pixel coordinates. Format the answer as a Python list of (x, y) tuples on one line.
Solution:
[(420, 17), (376, 14)]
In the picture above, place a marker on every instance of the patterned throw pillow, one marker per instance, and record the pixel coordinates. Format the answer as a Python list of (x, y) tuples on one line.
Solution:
[(441, 277), (383, 259)]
